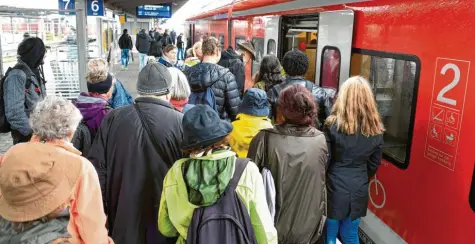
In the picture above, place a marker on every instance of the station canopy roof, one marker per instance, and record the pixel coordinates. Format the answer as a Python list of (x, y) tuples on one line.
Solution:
[(129, 6)]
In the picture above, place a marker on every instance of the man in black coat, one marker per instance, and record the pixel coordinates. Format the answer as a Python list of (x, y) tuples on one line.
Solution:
[(208, 74), (233, 61), (173, 36), (126, 45), (130, 168)]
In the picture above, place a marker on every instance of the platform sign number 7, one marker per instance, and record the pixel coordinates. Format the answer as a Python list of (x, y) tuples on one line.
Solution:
[(66, 5)]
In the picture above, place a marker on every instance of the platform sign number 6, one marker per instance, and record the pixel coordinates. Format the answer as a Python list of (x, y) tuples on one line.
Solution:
[(95, 7)]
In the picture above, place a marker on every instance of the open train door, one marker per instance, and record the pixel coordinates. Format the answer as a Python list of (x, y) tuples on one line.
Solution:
[(271, 36), (335, 37)]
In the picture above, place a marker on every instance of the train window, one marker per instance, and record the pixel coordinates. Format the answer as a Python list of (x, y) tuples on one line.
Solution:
[(213, 34), (221, 41), (394, 79), (239, 39), (272, 47), (258, 44), (330, 70)]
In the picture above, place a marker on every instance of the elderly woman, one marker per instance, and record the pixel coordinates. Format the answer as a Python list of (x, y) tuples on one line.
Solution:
[(48, 166), (180, 89), (295, 151)]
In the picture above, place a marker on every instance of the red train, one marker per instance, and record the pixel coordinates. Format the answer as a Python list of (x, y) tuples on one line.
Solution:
[(417, 55)]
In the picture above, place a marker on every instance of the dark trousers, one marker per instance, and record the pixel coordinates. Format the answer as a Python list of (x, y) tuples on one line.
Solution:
[(19, 138)]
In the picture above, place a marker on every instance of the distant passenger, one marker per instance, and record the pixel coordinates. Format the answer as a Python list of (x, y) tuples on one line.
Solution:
[(252, 118), (26, 35), (180, 90), (195, 58), (222, 82), (296, 154), (155, 49), (94, 105), (181, 47), (143, 46), (166, 39), (125, 43), (50, 193), (24, 86), (173, 36), (269, 74), (132, 152), (355, 139), (206, 179), (169, 56)]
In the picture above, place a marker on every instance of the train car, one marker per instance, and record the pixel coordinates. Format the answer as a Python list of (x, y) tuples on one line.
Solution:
[(418, 57)]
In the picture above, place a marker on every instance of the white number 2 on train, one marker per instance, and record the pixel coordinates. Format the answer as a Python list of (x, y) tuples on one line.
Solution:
[(441, 97)]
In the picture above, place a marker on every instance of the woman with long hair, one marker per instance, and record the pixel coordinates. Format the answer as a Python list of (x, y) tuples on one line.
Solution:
[(354, 132), (270, 73)]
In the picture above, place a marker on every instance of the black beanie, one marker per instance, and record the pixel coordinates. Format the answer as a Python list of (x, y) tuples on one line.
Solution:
[(102, 87), (32, 51)]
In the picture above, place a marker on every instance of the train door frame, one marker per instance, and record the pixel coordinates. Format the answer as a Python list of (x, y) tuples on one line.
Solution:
[(272, 32), (335, 32)]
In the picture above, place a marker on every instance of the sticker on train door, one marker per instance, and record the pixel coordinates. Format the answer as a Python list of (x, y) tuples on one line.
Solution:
[(446, 112)]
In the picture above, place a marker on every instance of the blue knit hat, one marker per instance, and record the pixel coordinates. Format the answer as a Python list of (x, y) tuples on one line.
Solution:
[(254, 103), (202, 127)]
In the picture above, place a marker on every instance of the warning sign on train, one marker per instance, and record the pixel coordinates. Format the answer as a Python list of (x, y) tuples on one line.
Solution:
[(447, 108)]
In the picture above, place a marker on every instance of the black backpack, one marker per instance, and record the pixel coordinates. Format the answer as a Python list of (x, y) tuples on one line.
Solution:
[(83, 138), (4, 125), (225, 222)]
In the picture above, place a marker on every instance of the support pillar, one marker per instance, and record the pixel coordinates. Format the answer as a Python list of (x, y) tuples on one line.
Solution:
[(81, 37)]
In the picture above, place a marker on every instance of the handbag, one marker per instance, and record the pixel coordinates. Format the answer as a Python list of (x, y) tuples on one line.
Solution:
[(268, 179)]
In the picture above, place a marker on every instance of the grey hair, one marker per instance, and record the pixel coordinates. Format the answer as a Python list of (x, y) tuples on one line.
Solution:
[(98, 70), (54, 118), (179, 89)]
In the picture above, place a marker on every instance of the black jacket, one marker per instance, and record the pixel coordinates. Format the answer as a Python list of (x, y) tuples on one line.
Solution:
[(155, 49), (231, 60), (173, 36), (353, 160), (179, 42), (297, 158), (121, 153), (157, 36), (143, 43), (221, 80), (323, 98), (125, 42), (166, 40)]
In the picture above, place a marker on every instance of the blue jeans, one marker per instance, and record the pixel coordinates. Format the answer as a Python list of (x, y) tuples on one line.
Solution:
[(348, 230), (180, 54), (124, 58), (143, 60)]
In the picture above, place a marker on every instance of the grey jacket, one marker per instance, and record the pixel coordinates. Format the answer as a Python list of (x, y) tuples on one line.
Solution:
[(39, 232), (143, 42), (19, 102)]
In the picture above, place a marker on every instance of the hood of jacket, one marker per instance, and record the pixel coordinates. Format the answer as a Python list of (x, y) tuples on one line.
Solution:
[(204, 75), (246, 127), (93, 110), (207, 177), (229, 54)]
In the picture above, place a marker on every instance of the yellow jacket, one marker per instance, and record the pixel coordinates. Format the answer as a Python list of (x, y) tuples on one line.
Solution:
[(245, 128)]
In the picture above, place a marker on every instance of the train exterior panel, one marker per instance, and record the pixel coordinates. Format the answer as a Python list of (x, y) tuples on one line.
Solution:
[(418, 56)]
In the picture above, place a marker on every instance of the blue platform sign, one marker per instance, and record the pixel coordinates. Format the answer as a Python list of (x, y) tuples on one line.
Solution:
[(95, 7), (67, 5), (154, 11)]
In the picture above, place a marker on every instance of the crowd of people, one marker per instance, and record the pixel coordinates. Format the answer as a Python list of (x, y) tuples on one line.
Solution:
[(195, 158)]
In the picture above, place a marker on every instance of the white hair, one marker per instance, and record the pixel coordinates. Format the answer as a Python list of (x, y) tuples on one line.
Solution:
[(54, 118), (179, 89)]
